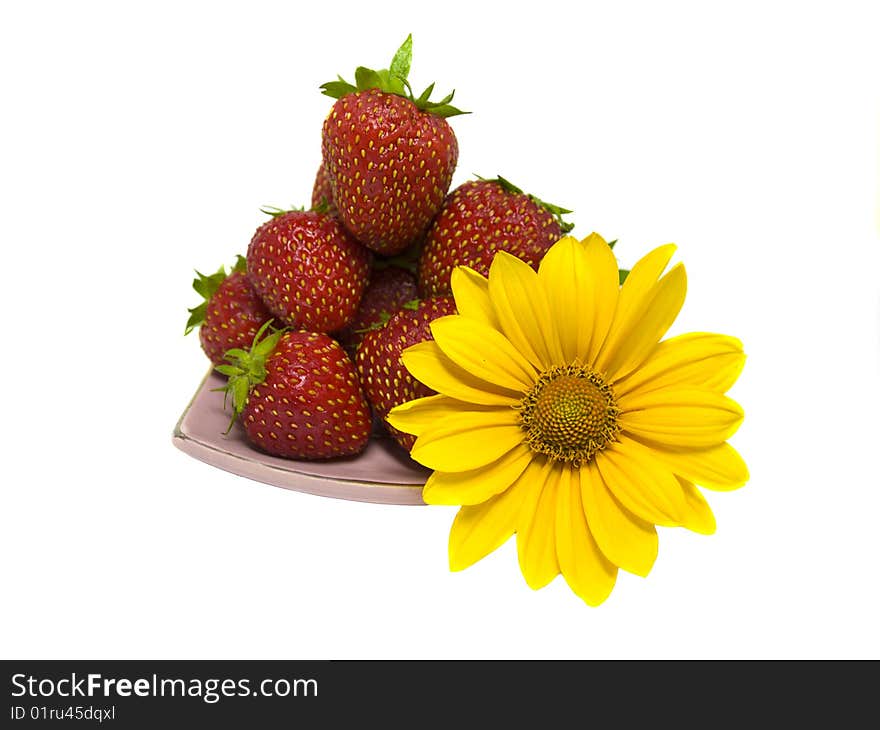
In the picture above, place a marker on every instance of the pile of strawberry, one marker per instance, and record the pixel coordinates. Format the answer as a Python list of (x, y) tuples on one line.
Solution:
[(308, 327)]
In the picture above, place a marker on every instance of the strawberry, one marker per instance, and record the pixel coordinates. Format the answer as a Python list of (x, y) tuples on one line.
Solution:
[(297, 396), (322, 195), (389, 155), (308, 270), (231, 313), (388, 289), (480, 218), (385, 380)]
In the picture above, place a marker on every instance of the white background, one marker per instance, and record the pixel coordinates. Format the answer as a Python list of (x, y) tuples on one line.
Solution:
[(138, 143)]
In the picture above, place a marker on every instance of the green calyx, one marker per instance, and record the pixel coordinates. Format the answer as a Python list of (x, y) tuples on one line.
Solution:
[(393, 80), (385, 316), (247, 368), (275, 212), (206, 286), (556, 211)]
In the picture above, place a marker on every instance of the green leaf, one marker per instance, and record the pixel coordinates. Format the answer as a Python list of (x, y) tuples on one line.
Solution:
[(228, 370), (205, 287), (196, 317), (611, 245), (411, 304), (400, 64), (426, 94), (240, 266), (337, 89), (366, 78), (265, 347), (240, 390), (443, 111)]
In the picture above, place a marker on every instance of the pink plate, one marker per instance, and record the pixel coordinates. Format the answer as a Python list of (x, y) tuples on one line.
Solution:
[(382, 473)]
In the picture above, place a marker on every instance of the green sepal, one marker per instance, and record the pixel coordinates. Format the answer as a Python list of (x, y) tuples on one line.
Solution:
[(206, 286), (622, 274), (555, 210), (412, 304), (393, 80), (402, 61), (611, 244), (246, 368), (381, 321), (323, 205), (275, 211)]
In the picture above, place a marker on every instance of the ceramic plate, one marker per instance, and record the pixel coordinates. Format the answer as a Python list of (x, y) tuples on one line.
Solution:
[(382, 473)]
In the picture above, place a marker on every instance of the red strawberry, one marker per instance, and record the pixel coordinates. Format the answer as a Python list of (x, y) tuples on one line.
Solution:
[(385, 380), (297, 396), (322, 194), (389, 156), (480, 218), (387, 291), (308, 270), (231, 313)]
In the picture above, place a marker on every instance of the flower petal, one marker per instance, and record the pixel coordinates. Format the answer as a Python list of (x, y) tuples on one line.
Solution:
[(641, 483), (416, 415), (626, 540), (636, 292), (536, 531), (477, 485), (522, 310), (602, 264), (699, 517), (427, 364), (719, 468), (688, 417), (694, 360), (468, 441), (481, 528), (580, 279), (648, 326), (483, 351), (567, 283), (471, 292), (586, 570)]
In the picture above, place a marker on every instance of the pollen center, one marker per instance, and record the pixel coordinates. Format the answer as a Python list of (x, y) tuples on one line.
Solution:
[(570, 414)]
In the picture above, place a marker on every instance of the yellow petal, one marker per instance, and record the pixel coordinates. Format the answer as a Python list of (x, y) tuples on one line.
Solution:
[(580, 280), (602, 265), (648, 326), (523, 313), (636, 292), (481, 528), (698, 516), (427, 364), (477, 485), (483, 351), (720, 468), (694, 360), (641, 483), (680, 417), (567, 283), (471, 292), (536, 532), (416, 415), (625, 539), (586, 570), (471, 440)]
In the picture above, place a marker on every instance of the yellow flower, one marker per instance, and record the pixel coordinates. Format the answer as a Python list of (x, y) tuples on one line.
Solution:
[(562, 417)]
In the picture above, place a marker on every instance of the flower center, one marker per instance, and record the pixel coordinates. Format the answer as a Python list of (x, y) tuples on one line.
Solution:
[(570, 414)]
